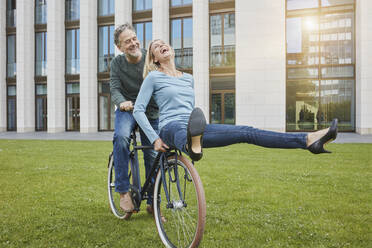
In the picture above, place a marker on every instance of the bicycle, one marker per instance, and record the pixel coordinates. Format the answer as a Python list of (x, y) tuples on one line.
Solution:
[(174, 179)]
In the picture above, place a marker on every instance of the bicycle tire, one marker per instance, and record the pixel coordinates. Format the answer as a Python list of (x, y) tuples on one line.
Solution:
[(114, 197), (184, 225)]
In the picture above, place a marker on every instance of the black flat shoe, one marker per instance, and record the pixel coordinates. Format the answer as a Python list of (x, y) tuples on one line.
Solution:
[(195, 130), (318, 146)]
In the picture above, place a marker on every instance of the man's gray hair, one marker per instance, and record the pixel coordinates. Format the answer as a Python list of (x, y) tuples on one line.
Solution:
[(121, 29)]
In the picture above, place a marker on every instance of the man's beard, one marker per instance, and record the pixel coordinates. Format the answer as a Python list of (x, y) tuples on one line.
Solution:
[(135, 54)]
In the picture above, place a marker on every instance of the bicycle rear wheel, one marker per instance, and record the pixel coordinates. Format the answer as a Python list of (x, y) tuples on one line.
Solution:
[(114, 197), (185, 217)]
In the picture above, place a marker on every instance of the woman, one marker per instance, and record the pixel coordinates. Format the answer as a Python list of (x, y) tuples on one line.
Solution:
[(183, 127)]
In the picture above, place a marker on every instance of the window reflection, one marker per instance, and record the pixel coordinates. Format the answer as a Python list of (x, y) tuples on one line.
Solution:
[(11, 13), (11, 108), (222, 38), (106, 51), (320, 67), (175, 3), (73, 51), (72, 10), (41, 12), (11, 56), (222, 100), (144, 33), (141, 5), (181, 41), (41, 54), (106, 107), (106, 7)]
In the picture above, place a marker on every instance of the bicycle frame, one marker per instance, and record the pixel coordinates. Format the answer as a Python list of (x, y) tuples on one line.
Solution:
[(142, 193)]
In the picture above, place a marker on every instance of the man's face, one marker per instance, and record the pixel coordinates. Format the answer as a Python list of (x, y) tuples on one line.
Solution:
[(129, 44)]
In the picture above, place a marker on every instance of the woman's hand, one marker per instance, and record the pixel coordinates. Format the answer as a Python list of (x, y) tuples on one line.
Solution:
[(160, 146)]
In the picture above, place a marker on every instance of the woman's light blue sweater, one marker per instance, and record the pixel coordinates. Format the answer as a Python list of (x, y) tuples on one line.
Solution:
[(174, 96)]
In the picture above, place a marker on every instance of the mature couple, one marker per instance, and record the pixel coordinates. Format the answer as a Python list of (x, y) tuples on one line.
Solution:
[(148, 89)]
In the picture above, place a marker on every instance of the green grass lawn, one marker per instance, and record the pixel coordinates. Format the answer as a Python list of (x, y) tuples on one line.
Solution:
[(53, 194)]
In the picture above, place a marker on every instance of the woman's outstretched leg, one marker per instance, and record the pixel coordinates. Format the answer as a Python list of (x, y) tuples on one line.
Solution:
[(217, 135)]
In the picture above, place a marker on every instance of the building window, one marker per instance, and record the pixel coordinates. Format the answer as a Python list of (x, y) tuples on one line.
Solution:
[(73, 51), (142, 5), (106, 7), (106, 49), (106, 108), (181, 41), (41, 107), (41, 12), (41, 54), (11, 108), (11, 13), (144, 33), (320, 65), (222, 100), (72, 10), (11, 56), (176, 3), (72, 106), (222, 39)]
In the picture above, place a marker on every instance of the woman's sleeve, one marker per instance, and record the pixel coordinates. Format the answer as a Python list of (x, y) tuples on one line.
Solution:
[(143, 98)]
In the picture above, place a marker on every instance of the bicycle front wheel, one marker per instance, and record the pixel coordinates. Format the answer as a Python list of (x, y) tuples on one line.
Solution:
[(186, 211)]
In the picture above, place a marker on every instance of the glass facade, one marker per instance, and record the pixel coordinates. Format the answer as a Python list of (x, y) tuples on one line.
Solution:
[(40, 11), (106, 49), (181, 41), (142, 5), (41, 54), (11, 13), (72, 106), (73, 51), (176, 3), (222, 100), (144, 33), (106, 7), (11, 56), (41, 107), (320, 65), (222, 40), (105, 107), (72, 12), (11, 108)]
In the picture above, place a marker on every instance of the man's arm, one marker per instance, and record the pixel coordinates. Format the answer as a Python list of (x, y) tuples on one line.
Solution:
[(116, 87)]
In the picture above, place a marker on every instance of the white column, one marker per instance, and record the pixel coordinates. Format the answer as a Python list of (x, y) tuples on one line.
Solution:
[(363, 67), (3, 103), (25, 66), (123, 14), (56, 66), (260, 64), (160, 20), (88, 66), (200, 22)]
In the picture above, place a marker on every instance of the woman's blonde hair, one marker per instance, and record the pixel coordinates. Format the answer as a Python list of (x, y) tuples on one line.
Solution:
[(150, 65)]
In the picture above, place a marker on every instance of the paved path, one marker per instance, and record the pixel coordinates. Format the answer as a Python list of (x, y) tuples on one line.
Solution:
[(107, 136)]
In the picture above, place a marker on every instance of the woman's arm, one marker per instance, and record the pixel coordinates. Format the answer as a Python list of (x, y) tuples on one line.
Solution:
[(142, 101)]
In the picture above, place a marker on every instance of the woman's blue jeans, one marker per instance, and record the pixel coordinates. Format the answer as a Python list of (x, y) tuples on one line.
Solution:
[(124, 124), (174, 134)]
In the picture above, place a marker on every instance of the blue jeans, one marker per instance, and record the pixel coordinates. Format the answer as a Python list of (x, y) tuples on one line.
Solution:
[(174, 134), (124, 124)]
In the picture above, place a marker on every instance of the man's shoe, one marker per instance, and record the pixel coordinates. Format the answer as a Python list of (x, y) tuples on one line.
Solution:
[(126, 203), (150, 210), (195, 131)]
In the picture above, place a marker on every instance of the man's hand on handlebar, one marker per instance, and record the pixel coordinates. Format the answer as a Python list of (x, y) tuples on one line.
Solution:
[(126, 106), (160, 146)]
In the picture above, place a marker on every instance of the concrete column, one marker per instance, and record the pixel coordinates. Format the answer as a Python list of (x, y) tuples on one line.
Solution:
[(260, 64), (3, 104), (123, 14), (200, 22), (88, 66), (160, 20), (25, 66), (363, 67), (56, 66)]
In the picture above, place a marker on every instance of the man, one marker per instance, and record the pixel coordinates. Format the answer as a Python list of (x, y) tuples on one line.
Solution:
[(126, 79)]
